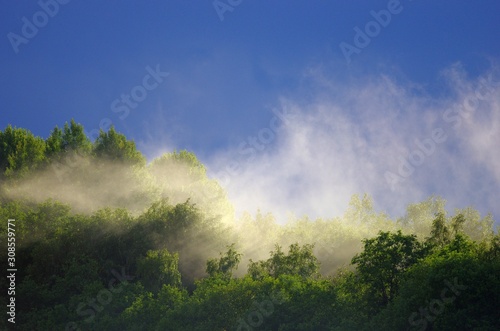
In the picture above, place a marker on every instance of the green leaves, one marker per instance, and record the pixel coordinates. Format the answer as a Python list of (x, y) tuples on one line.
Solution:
[(440, 235), (115, 147), (299, 261), (74, 138), (384, 260), (164, 224), (224, 266), (452, 289), (159, 268), (20, 151)]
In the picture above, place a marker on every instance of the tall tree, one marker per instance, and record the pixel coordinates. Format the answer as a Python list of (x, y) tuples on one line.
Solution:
[(115, 146), (74, 138), (20, 151), (383, 261), (440, 235), (225, 265), (55, 142)]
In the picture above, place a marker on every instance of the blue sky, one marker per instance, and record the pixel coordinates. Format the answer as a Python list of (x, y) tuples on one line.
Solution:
[(234, 65)]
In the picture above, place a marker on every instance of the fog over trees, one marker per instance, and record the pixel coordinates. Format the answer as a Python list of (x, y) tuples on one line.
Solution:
[(108, 241)]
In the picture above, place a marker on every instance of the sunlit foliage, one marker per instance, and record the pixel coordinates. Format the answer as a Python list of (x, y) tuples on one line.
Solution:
[(108, 242)]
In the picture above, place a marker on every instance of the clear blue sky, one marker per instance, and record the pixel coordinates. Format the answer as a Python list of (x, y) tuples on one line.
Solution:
[(356, 117)]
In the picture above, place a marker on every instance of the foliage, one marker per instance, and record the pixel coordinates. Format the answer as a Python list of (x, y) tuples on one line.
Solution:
[(137, 252), (159, 268), (384, 260), (419, 216), (115, 147), (440, 235), (299, 261), (20, 151), (74, 138), (452, 289), (225, 265)]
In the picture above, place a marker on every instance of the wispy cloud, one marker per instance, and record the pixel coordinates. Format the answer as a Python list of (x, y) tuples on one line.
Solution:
[(348, 136)]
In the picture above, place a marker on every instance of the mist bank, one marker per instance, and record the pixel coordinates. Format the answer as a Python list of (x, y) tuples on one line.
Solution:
[(383, 134), (105, 238), (111, 174)]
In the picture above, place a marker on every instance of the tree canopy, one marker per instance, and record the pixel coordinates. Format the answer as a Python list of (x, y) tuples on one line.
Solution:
[(107, 241)]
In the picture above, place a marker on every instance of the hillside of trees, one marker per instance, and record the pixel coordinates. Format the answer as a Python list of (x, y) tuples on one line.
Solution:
[(108, 241)]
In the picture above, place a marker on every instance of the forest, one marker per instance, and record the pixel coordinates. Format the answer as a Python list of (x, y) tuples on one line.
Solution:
[(105, 240)]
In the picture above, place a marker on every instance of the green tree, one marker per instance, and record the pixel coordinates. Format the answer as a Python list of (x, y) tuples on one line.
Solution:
[(419, 216), (180, 176), (361, 213), (225, 265), (20, 151), (299, 261), (384, 260), (440, 235), (115, 146), (74, 138), (159, 268), (477, 228), (454, 288), (145, 312), (457, 224), (54, 143)]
